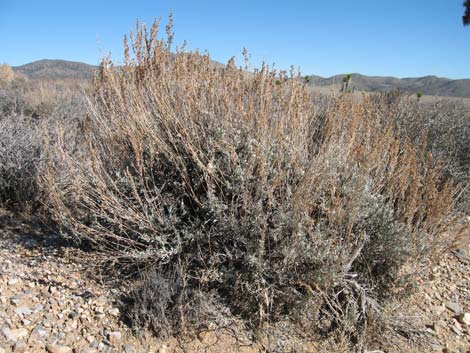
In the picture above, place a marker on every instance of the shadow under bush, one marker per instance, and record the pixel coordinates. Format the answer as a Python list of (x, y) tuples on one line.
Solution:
[(240, 201)]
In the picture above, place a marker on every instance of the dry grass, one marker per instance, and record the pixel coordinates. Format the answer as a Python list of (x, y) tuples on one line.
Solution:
[(242, 200), (41, 98)]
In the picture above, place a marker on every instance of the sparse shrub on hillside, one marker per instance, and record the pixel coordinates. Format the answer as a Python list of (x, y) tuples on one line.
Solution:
[(243, 201)]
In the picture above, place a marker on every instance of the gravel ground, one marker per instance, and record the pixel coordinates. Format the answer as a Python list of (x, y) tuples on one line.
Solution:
[(50, 303)]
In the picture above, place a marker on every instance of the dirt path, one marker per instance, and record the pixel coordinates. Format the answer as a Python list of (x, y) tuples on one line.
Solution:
[(49, 303)]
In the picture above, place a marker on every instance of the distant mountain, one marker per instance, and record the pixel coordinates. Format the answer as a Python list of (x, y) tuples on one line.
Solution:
[(56, 69), (428, 85)]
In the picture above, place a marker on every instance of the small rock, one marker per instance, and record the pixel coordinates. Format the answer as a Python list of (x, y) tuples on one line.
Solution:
[(20, 347), (38, 308), (114, 311), (456, 330), (16, 301), (23, 311), (438, 310), (114, 337), (54, 348), (129, 348), (464, 319), (454, 307), (13, 281), (38, 332), (14, 335), (73, 315), (457, 325), (85, 350), (73, 325)]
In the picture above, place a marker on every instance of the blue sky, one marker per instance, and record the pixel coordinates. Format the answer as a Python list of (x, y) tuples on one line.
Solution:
[(404, 38)]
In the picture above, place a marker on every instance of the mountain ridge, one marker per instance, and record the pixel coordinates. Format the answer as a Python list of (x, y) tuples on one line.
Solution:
[(56, 69), (428, 85)]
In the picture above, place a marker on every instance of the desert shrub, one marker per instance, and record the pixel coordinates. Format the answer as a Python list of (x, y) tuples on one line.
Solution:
[(442, 125), (20, 153), (41, 98), (240, 198), (23, 146), (6, 75)]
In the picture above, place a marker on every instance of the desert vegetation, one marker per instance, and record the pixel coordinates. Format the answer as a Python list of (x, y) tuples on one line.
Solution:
[(29, 111), (239, 199)]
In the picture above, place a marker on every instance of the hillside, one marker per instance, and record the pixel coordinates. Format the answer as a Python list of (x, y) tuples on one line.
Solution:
[(56, 69), (428, 85)]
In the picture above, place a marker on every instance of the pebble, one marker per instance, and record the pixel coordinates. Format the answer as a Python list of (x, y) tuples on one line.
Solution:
[(129, 348), (14, 335), (456, 330), (114, 311), (13, 281), (16, 301), (54, 348), (39, 332), (20, 347), (464, 319), (115, 338), (23, 311), (438, 310), (73, 315), (454, 307)]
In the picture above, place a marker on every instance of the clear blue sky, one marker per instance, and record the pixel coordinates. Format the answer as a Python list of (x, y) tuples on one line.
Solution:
[(404, 38)]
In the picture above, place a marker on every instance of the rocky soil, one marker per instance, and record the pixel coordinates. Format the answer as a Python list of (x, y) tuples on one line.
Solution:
[(49, 302)]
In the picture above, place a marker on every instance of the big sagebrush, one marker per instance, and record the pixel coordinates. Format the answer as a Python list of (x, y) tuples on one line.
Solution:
[(240, 198)]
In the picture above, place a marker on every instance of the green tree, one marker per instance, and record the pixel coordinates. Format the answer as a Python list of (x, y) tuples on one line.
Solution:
[(466, 16), (346, 82)]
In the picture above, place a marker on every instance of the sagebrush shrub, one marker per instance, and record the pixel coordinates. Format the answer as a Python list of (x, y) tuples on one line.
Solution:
[(28, 120), (234, 191), (20, 154)]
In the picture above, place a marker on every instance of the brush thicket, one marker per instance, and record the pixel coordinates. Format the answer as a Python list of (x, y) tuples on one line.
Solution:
[(241, 199)]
